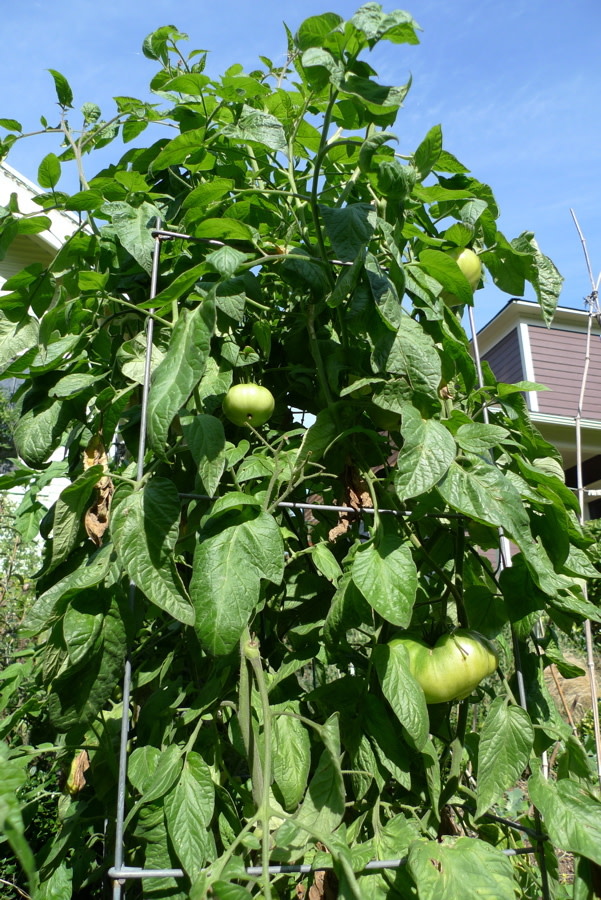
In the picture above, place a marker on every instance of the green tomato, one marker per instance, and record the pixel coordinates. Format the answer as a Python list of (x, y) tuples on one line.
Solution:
[(470, 265), (248, 404), (453, 667)]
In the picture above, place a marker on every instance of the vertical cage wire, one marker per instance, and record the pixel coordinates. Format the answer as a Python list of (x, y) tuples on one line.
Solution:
[(593, 313), (504, 563), (127, 672)]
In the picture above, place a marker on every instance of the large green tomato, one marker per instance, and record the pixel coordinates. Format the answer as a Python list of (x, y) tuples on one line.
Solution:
[(470, 265), (248, 404), (453, 667)]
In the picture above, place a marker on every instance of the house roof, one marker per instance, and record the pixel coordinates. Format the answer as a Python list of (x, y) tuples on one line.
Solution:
[(63, 224), (517, 310)]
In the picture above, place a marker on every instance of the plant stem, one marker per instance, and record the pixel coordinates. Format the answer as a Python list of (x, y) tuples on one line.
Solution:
[(245, 721), (257, 667)]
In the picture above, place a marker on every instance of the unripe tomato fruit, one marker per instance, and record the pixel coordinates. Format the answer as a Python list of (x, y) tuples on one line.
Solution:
[(453, 667), (248, 404), (469, 263)]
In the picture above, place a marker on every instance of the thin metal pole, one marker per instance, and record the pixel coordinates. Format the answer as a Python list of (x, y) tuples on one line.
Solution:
[(505, 563), (375, 865), (588, 631), (127, 672)]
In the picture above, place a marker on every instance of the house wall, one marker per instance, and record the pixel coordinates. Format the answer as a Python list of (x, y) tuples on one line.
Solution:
[(22, 252), (558, 357), (505, 359)]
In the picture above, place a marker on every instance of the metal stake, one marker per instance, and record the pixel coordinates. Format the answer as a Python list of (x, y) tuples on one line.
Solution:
[(127, 673)]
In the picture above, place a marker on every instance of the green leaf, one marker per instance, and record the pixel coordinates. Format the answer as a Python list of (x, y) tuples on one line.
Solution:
[(349, 229), (506, 740), (88, 574), (33, 224), (480, 490), (63, 89), (15, 337), (39, 431), (14, 777), (155, 772), (402, 691), (386, 575), (291, 757), (427, 452), (398, 27), (84, 201), (445, 270), (322, 810), (188, 813), (257, 127), (427, 154), (542, 274), (320, 67), (180, 370), (315, 29), (133, 225), (179, 149), (226, 581), (325, 562), (571, 814), (71, 385), (11, 125), (205, 438), (208, 193), (82, 623), (226, 260), (145, 528), (378, 99), (78, 694), (410, 352), (223, 230), (49, 171), (477, 438), (68, 512), (466, 868)]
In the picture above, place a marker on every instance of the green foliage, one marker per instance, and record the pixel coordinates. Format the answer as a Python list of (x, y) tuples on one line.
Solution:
[(306, 250)]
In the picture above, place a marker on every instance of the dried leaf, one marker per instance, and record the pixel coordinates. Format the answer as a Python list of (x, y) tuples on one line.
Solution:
[(76, 780), (96, 519)]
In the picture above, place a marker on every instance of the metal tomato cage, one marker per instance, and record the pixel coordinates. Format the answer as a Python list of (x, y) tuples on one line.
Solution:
[(120, 873)]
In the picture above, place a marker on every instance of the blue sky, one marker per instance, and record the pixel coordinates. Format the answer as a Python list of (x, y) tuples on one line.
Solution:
[(515, 86)]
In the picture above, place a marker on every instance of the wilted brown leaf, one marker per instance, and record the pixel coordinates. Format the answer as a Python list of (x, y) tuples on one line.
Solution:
[(96, 519)]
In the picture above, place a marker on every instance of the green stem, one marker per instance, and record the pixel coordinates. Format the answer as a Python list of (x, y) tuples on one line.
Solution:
[(257, 667), (440, 572), (316, 354), (456, 749), (245, 722), (315, 183)]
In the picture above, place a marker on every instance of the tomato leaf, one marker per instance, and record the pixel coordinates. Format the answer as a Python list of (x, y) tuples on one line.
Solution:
[(466, 868), (226, 579), (506, 740), (180, 370), (572, 815), (402, 691), (427, 453), (385, 573), (145, 527)]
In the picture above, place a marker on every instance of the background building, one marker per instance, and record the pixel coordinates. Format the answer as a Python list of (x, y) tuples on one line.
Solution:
[(519, 347)]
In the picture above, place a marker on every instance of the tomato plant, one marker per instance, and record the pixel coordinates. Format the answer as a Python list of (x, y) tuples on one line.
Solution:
[(453, 667), (250, 581)]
